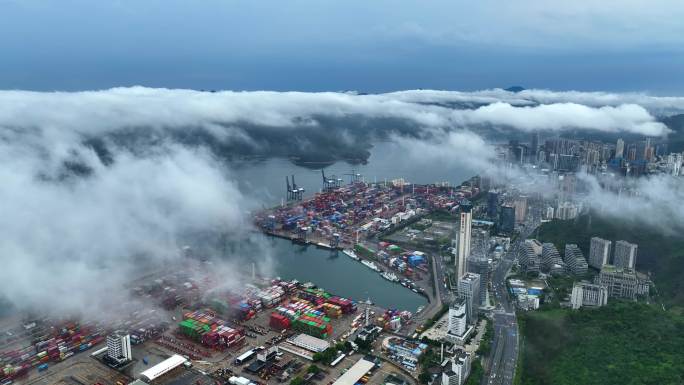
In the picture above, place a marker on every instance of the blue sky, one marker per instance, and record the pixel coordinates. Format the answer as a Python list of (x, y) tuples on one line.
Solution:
[(317, 45)]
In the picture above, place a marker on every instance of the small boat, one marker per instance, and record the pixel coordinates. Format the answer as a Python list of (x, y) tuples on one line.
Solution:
[(370, 265), (351, 254), (389, 276)]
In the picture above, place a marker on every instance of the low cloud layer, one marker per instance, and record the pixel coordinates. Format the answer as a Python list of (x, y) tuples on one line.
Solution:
[(95, 184), (655, 201), (295, 123), (72, 242)]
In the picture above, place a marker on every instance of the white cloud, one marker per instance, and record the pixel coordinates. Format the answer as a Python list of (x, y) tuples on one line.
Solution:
[(62, 233), (654, 201), (70, 244), (62, 114)]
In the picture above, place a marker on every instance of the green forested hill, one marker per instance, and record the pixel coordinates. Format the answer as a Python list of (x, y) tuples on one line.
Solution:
[(624, 343)]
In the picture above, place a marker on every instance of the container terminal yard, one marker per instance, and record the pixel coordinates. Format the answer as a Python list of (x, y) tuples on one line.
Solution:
[(180, 329)]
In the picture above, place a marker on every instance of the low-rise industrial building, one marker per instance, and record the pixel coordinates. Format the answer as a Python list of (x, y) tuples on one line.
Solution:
[(308, 342), (162, 368), (403, 351), (356, 372)]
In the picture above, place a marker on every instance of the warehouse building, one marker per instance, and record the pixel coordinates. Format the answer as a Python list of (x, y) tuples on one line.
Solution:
[(162, 368), (355, 373)]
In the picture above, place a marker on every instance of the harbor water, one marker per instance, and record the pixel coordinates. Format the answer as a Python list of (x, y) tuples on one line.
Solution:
[(264, 181), (340, 275)]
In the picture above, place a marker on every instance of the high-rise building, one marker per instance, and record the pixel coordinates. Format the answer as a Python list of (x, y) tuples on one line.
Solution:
[(674, 164), (492, 204), (625, 255), (574, 260), (480, 266), (507, 219), (458, 318), (599, 252), (587, 294), (648, 150), (567, 210), (534, 148), (520, 205), (551, 260), (464, 237), (469, 289), (456, 369), (528, 255), (548, 213), (620, 148), (119, 347), (568, 163)]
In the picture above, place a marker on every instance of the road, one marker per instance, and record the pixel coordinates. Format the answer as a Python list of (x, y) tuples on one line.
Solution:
[(506, 340)]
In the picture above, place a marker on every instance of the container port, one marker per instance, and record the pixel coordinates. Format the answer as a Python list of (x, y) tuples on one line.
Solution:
[(266, 330), (340, 217)]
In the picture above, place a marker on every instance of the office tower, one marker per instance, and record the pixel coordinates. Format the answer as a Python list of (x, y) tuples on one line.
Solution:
[(620, 148), (520, 205), (464, 236), (534, 148), (599, 252), (507, 219), (469, 289), (625, 255), (456, 369), (587, 294), (480, 266), (119, 347), (492, 203), (457, 318), (648, 150)]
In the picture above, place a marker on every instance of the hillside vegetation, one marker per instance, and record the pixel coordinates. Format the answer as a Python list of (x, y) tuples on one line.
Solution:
[(623, 343)]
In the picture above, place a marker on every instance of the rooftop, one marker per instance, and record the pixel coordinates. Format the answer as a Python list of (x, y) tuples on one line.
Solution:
[(358, 370), (163, 367), (305, 340)]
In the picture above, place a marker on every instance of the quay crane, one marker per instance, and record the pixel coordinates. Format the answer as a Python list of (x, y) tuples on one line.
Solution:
[(330, 183), (354, 177), (293, 192)]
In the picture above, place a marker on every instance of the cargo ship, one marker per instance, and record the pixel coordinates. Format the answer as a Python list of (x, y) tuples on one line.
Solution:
[(370, 265), (389, 276), (351, 254)]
